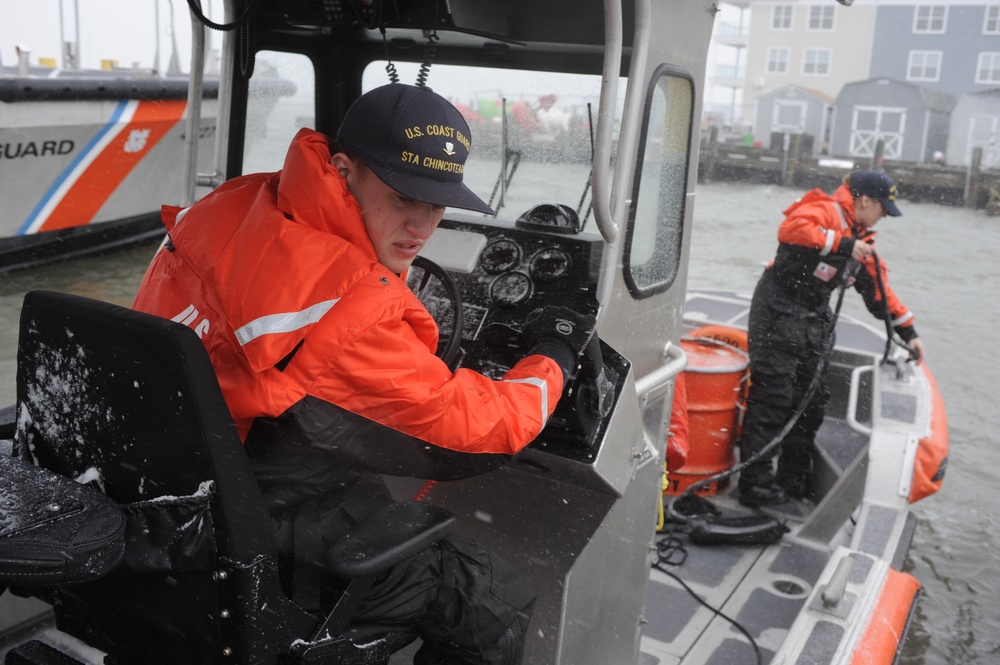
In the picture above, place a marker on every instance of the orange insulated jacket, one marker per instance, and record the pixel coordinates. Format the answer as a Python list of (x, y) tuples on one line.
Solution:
[(277, 276), (815, 243)]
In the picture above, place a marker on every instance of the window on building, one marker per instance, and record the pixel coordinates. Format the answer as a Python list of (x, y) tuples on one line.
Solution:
[(781, 17), (777, 60), (991, 24), (816, 62), (924, 66), (988, 69), (930, 18), (821, 17)]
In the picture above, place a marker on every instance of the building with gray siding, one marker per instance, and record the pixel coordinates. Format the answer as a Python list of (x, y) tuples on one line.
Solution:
[(932, 53), (947, 47), (975, 123), (794, 110), (910, 120)]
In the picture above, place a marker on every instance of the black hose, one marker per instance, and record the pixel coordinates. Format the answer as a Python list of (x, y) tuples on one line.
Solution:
[(753, 643), (890, 335)]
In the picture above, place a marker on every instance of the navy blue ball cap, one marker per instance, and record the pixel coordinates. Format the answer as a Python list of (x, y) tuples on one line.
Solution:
[(415, 141), (876, 185)]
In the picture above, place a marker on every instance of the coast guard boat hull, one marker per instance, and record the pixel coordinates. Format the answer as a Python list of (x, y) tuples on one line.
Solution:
[(85, 163)]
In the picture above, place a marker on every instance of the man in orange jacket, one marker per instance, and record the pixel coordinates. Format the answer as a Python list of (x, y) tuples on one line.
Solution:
[(295, 282), (790, 317)]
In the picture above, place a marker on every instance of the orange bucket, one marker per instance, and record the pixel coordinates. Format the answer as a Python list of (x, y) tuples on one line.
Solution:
[(716, 378)]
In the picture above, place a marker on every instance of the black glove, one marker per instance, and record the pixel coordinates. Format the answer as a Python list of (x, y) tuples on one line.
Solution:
[(559, 333)]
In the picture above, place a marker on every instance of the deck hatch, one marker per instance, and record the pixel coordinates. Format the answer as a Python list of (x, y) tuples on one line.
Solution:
[(766, 610), (804, 563)]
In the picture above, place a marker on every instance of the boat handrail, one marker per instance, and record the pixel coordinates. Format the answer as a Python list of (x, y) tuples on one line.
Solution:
[(852, 400), (226, 67), (601, 196), (193, 125), (655, 384), (632, 113)]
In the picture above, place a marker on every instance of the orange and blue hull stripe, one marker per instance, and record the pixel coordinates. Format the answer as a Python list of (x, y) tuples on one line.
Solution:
[(85, 185)]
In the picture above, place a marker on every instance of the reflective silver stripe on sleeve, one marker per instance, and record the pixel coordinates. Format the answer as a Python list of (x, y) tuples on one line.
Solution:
[(831, 235), (828, 245), (282, 323), (903, 319), (840, 211), (544, 387)]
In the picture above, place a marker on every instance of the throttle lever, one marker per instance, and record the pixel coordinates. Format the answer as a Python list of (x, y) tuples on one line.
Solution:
[(499, 335), (597, 388)]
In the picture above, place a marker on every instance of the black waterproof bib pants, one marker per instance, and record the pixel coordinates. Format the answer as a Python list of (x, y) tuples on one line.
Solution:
[(786, 351)]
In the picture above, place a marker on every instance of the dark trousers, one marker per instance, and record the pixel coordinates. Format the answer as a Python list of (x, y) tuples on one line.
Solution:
[(465, 603), (786, 352), (468, 605)]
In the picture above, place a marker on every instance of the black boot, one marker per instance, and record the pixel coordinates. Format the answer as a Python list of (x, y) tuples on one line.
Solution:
[(769, 497)]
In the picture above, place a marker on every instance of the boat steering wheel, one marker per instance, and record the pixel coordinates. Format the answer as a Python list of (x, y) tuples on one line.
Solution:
[(423, 286)]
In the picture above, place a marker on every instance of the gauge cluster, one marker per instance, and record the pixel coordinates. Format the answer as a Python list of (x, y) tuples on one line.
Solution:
[(518, 270)]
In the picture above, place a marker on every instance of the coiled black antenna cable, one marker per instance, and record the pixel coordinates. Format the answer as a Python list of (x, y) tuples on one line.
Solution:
[(246, 34), (430, 52), (195, 7), (390, 66)]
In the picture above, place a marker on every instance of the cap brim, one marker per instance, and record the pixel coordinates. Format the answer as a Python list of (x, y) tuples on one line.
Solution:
[(892, 209), (428, 190)]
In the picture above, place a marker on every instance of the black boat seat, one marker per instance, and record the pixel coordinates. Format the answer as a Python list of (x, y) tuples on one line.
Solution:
[(128, 405)]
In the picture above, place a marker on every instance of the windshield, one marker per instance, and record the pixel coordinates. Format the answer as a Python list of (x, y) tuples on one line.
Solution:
[(536, 127)]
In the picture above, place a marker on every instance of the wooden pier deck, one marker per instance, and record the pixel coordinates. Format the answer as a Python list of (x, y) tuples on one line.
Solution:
[(971, 186)]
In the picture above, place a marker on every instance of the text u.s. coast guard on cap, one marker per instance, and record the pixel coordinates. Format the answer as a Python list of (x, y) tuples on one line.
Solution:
[(438, 130)]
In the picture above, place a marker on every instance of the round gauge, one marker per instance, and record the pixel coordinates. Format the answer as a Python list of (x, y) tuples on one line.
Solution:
[(510, 289), (549, 264), (500, 256)]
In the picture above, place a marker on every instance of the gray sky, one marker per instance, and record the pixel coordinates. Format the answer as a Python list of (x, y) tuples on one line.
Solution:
[(123, 30)]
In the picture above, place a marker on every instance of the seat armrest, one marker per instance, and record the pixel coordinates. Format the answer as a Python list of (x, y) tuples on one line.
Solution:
[(388, 537), (54, 531)]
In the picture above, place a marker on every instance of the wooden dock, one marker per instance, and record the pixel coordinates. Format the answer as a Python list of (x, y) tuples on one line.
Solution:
[(970, 186)]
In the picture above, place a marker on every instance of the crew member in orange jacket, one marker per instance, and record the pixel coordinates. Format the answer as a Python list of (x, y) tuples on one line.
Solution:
[(790, 314), (295, 282)]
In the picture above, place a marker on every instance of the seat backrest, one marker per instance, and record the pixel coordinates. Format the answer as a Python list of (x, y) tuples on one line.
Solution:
[(130, 403)]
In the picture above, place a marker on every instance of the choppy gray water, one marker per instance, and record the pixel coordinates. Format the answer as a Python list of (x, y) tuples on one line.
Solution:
[(944, 266)]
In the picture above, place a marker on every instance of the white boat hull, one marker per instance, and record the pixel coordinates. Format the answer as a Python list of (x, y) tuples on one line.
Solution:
[(66, 164)]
